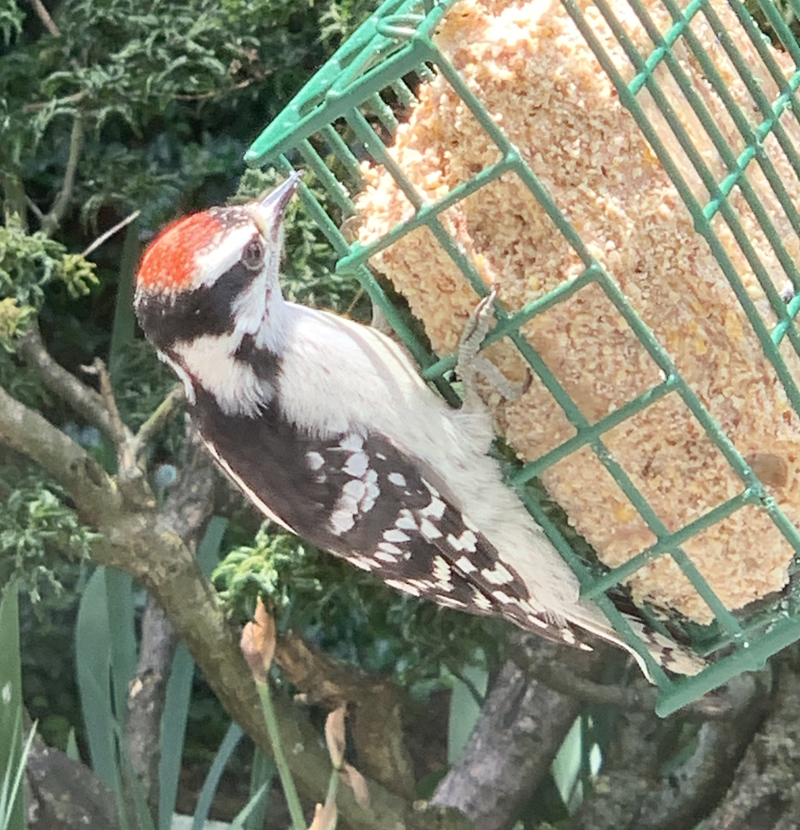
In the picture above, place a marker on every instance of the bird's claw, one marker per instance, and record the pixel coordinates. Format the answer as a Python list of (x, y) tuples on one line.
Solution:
[(471, 363)]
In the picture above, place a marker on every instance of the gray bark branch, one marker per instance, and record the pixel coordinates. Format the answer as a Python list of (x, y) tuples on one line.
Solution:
[(377, 727), (522, 725), (86, 403), (62, 794), (44, 16), (187, 509), (634, 790), (54, 217), (146, 699), (765, 794)]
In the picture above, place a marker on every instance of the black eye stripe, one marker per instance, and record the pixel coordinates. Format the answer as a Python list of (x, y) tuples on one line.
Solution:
[(207, 310)]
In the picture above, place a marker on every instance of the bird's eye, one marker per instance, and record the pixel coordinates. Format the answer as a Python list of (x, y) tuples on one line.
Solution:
[(253, 254)]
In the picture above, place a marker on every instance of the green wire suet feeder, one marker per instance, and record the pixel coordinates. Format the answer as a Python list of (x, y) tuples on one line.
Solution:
[(547, 146)]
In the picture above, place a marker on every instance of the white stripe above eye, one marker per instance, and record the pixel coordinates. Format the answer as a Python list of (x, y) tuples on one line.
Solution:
[(217, 259)]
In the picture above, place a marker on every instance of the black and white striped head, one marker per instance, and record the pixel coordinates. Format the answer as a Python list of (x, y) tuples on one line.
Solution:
[(214, 274)]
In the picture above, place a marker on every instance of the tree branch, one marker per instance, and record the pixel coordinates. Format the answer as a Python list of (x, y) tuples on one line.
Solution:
[(53, 218), (377, 727), (95, 244), (101, 410), (633, 790), (187, 510), (521, 726), (63, 794), (156, 422), (120, 434), (15, 199), (93, 490), (44, 16), (638, 696), (146, 698), (146, 544), (73, 99), (87, 403), (765, 793)]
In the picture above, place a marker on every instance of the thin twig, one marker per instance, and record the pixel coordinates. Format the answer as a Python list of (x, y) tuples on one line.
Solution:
[(121, 434), (75, 98), (560, 679), (155, 423), (15, 198), (639, 697), (359, 294), (80, 397), (34, 208), (53, 219), (109, 233), (130, 477), (204, 96), (44, 16)]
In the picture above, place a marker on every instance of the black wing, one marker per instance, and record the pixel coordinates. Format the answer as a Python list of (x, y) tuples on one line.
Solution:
[(361, 497)]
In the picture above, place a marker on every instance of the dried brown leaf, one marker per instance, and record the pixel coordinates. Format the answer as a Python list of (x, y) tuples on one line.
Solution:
[(334, 735), (325, 816), (357, 783), (258, 643)]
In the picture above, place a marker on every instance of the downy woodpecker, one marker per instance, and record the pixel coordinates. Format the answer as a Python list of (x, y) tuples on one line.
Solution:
[(328, 429)]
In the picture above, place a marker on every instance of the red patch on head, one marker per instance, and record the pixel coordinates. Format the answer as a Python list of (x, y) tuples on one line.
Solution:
[(169, 263)]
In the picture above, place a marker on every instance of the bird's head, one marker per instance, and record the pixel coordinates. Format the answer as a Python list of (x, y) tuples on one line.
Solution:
[(214, 274)]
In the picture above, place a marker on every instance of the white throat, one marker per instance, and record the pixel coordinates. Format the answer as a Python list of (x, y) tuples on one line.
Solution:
[(208, 362)]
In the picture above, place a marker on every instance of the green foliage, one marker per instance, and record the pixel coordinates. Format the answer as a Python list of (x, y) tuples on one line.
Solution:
[(12, 756), (785, 8), (183, 49), (46, 634), (153, 106), (18, 379), (28, 264), (263, 772), (351, 614), (117, 58), (12, 816), (102, 681), (141, 382), (11, 18), (340, 19), (279, 754), (167, 96), (179, 694), (223, 755), (43, 545), (35, 525)]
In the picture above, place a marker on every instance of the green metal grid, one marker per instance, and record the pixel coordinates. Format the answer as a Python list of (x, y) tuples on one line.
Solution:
[(396, 43)]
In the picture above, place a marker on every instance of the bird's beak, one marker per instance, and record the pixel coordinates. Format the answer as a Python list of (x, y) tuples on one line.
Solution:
[(268, 213)]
